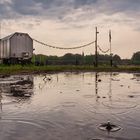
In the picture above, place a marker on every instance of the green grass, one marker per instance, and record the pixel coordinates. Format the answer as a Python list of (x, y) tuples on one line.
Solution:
[(18, 69)]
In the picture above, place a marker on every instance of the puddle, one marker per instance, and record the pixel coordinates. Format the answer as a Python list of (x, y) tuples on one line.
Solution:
[(37, 106)]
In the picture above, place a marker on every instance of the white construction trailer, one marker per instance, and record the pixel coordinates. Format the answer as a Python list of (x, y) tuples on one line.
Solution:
[(16, 48)]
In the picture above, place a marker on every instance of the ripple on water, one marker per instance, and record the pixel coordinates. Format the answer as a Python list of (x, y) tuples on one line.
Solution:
[(118, 104), (69, 104), (88, 96), (8, 102), (16, 129), (109, 127), (23, 122), (114, 107)]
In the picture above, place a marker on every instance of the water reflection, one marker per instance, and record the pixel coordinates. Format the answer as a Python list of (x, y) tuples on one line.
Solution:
[(0, 101), (96, 87), (137, 76), (45, 79), (16, 86), (86, 101), (97, 81), (110, 86)]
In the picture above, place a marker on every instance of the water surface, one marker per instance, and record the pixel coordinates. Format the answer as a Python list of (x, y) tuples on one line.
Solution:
[(69, 106)]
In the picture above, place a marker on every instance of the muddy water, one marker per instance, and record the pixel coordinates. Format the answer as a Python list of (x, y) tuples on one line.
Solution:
[(69, 106)]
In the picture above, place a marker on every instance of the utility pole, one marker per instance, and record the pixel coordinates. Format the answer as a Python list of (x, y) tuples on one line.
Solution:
[(0, 34), (96, 45), (0, 30), (110, 37)]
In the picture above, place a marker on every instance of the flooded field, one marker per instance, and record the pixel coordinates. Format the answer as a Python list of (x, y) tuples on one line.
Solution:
[(70, 106)]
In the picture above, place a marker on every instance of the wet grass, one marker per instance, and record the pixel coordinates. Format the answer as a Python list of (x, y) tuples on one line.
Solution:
[(19, 69)]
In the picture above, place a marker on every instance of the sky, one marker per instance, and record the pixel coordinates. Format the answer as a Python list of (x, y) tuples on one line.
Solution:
[(69, 23)]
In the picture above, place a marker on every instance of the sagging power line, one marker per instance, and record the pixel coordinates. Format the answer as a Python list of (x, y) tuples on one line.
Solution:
[(85, 45), (56, 47), (103, 50)]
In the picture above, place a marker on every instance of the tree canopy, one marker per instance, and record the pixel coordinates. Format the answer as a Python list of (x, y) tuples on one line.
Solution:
[(136, 58), (75, 59)]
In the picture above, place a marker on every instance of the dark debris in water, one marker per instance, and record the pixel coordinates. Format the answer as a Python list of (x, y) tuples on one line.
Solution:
[(109, 127), (131, 96), (46, 78), (96, 139), (20, 93), (104, 97), (23, 82), (4, 76), (89, 83), (18, 87)]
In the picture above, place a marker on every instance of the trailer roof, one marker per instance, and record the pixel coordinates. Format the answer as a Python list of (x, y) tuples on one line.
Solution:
[(9, 36)]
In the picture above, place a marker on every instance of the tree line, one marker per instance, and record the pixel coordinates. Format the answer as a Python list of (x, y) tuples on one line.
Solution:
[(81, 59)]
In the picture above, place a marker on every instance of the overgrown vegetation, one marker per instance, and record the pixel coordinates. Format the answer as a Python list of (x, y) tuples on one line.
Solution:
[(74, 59), (77, 59), (136, 58), (74, 62), (28, 69)]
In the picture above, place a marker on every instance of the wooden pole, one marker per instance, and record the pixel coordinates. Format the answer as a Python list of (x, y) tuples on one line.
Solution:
[(96, 45), (110, 38), (0, 30)]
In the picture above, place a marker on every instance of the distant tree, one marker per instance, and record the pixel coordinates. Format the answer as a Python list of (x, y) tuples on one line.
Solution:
[(69, 59), (126, 62), (89, 59), (116, 59), (73, 59), (136, 58)]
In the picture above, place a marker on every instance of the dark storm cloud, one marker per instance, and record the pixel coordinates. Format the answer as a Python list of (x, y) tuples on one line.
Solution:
[(59, 9), (121, 6), (85, 2), (5, 10)]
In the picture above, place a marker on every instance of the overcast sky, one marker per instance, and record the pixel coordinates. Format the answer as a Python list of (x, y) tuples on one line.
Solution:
[(69, 23)]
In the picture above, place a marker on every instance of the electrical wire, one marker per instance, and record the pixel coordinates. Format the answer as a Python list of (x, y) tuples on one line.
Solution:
[(56, 47), (103, 50)]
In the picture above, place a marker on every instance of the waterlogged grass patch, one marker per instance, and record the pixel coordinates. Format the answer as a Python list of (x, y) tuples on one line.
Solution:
[(15, 69)]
